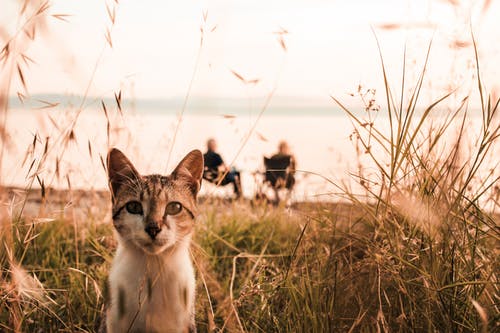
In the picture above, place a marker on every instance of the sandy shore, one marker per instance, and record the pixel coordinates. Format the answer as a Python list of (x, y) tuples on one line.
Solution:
[(94, 206)]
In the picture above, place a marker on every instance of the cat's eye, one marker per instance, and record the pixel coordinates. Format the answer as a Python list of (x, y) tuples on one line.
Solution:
[(173, 208), (134, 207)]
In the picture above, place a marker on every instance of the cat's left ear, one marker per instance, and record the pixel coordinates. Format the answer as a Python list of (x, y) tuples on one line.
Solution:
[(120, 171), (192, 166)]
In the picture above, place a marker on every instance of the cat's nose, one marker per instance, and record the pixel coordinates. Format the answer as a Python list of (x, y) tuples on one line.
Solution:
[(152, 230)]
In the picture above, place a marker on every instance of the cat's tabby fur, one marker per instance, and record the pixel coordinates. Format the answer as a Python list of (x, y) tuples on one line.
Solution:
[(151, 282)]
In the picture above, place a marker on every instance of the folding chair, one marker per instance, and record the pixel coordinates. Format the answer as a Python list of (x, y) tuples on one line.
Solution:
[(221, 179), (278, 175)]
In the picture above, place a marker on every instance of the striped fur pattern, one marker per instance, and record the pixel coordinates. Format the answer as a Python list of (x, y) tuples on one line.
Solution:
[(152, 280)]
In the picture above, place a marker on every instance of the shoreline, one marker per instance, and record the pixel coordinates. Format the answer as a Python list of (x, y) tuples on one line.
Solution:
[(96, 204)]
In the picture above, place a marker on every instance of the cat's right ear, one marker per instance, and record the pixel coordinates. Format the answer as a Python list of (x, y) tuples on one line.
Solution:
[(120, 170), (191, 166)]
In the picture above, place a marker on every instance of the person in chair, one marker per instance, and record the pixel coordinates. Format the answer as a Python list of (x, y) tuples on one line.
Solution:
[(284, 153), (217, 172), (280, 173)]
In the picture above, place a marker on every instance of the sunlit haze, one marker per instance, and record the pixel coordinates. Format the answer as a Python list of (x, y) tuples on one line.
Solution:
[(190, 70), (330, 46), (249, 166)]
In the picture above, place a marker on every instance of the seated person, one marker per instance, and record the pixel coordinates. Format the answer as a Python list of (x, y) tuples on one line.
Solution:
[(280, 168), (216, 170)]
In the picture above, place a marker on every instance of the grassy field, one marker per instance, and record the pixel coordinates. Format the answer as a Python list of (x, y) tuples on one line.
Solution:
[(417, 251), (311, 268)]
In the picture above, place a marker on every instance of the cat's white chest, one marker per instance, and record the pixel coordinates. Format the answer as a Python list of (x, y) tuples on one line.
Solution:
[(151, 294)]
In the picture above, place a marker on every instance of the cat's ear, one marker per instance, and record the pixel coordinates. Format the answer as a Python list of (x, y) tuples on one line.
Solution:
[(192, 166), (120, 170)]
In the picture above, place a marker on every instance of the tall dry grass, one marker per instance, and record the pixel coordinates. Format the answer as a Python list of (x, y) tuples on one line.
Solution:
[(418, 252), (23, 276), (435, 244)]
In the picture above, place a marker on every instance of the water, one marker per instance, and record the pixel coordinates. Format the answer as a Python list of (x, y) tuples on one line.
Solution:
[(321, 143)]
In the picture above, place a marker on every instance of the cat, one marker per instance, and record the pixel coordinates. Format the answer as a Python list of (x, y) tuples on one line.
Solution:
[(152, 281)]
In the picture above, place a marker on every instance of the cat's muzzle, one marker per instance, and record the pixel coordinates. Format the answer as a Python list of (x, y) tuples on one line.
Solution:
[(152, 230)]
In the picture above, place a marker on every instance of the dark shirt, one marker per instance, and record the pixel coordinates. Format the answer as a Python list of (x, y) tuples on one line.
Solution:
[(212, 160), (291, 165)]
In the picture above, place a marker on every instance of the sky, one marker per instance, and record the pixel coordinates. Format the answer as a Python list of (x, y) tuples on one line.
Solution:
[(302, 51), (330, 46)]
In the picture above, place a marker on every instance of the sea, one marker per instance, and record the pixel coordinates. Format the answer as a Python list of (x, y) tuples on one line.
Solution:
[(64, 146)]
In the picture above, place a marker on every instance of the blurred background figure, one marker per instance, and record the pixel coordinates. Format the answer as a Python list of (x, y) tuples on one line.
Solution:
[(280, 171), (285, 152), (217, 172)]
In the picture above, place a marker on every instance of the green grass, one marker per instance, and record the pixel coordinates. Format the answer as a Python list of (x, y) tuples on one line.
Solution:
[(316, 268)]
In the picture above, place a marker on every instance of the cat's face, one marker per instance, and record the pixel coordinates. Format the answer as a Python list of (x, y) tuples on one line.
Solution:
[(154, 212)]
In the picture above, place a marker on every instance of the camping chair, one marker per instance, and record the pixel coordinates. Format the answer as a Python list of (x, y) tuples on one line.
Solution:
[(278, 175), (211, 175), (218, 178)]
